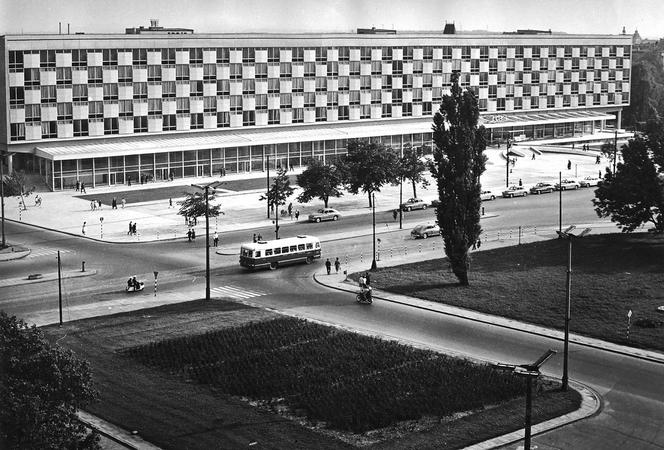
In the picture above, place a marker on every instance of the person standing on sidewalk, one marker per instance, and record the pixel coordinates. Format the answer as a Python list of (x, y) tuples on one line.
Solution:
[(189, 234), (131, 227), (215, 239), (395, 214), (328, 265), (83, 228), (124, 202), (337, 265), (78, 185), (83, 188), (297, 215)]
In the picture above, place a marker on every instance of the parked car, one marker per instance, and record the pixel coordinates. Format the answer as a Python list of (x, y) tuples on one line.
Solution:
[(515, 191), (413, 203), (425, 230), (487, 195), (567, 185), (542, 188), (590, 181), (324, 214)]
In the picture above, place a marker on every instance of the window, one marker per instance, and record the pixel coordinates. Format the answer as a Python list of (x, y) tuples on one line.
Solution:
[(223, 87), (298, 85), (376, 67), (48, 94), (365, 111), (273, 117), (248, 118), (154, 73), (182, 72), (32, 113), (236, 71), (236, 103), (223, 120), (385, 82), (298, 115), (273, 55), (407, 53), (63, 75), (354, 98), (95, 110), (182, 105), (140, 124), (16, 96), (343, 113), (154, 106), (195, 56), (47, 58), (310, 69), (285, 70), (16, 63), (354, 69), (168, 56), (333, 99), (140, 90), (321, 114), (375, 97), (49, 130), (169, 122), (195, 88), (344, 53), (285, 100), (109, 57), (321, 84), (309, 99), (80, 128), (168, 89), (95, 75), (223, 56), (196, 121), (386, 111), (30, 77), (64, 111), (407, 81), (332, 69), (111, 125), (273, 85), (79, 58), (261, 71), (140, 56), (261, 102), (111, 91), (365, 82), (209, 104), (407, 109)]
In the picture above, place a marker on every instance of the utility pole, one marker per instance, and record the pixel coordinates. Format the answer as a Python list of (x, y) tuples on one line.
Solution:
[(207, 244), (400, 203), (560, 202), (59, 287), (373, 204), (267, 157), (507, 163), (615, 151)]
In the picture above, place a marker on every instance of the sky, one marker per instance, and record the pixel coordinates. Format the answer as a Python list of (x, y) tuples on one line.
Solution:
[(234, 16)]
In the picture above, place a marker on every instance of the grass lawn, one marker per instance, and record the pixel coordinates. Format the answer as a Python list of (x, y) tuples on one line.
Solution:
[(611, 274), (224, 375)]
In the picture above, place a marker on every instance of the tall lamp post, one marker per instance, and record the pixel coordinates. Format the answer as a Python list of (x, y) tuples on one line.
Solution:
[(507, 163), (2, 195), (531, 372), (567, 234), (206, 189), (373, 204)]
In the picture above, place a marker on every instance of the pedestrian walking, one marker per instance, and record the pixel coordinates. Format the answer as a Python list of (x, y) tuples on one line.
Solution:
[(193, 234), (337, 265), (93, 205), (170, 202), (128, 180), (99, 203), (83, 191), (395, 214), (597, 160), (533, 158), (215, 239), (520, 183), (124, 202), (599, 174), (114, 203), (297, 214), (479, 243), (260, 238), (189, 234), (78, 185), (131, 227), (83, 228), (569, 165), (328, 265), (255, 239)]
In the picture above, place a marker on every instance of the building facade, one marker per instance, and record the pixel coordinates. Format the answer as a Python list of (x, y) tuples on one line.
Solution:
[(106, 109)]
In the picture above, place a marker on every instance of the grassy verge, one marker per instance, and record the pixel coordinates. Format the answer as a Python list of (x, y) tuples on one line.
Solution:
[(612, 274), (205, 365)]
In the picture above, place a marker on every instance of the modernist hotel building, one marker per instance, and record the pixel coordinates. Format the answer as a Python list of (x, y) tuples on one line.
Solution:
[(156, 103)]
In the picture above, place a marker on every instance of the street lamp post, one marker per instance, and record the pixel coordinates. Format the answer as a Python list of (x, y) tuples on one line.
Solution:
[(373, 204), (507, 163), (206, 189), (567, 234), (2, 196)]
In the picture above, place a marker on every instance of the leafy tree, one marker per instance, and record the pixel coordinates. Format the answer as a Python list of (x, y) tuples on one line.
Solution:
[(368, 166), (647, 87), (459, 161), (41, 388), (412, 167), (319, 181), (634, 195), (193, 205), (15, 187), (280, 190)]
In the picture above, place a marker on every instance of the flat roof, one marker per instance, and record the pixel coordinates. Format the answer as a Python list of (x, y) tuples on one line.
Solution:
[(134, 144)]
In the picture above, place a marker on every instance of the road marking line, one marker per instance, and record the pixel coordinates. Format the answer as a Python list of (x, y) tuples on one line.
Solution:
[(235, 292)]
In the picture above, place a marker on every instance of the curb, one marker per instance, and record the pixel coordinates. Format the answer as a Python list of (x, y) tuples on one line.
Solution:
[(114, 433), (10, 256), (46, 277)]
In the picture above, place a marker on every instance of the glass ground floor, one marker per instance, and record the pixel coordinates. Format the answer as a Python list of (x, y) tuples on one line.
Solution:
[(145, 167)]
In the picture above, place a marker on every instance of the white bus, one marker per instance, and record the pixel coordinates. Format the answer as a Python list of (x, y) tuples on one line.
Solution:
[(272, 254)]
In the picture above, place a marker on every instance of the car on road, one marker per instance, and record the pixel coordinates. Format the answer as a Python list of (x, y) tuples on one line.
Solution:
[(324, 214), (425, 230), (487, 195), (542, 188), (567, 185), (515, 191), (413, 203), (590, 181)]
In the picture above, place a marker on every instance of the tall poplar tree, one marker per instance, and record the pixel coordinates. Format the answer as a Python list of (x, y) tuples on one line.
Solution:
[(459, 161)]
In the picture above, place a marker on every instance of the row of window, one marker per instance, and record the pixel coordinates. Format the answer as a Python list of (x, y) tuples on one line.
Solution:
[(141, 56)]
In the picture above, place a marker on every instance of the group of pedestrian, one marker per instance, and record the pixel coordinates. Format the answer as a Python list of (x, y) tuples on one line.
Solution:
[(328, 265), (80, 187), (132, 228), (191, 234), (257, 237), (586, 147)]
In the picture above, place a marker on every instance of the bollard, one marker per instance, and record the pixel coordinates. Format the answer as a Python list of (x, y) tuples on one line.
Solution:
[(361, 258), (535, 230), (519, 234), (419, 248), (82, 266), (405, 251), (390, 252)]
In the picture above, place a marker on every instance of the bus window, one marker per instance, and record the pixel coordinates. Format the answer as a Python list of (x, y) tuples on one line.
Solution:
[(300, 247), (310, 246), (293, 248), (268, 252), (277, 251), (284, 249), (317, 244), (258, 254)]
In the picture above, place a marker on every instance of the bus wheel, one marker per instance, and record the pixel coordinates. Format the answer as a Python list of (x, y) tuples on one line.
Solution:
[(309, 260), (273, 266)]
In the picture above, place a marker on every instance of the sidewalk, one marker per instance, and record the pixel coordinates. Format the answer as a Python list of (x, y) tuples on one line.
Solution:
[(64, 212)]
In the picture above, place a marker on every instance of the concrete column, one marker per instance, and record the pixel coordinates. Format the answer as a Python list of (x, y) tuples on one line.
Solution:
[(619, 119)]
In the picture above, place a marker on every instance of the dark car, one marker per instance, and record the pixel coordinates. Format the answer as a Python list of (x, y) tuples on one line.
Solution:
[(542, 188), (413, 203)]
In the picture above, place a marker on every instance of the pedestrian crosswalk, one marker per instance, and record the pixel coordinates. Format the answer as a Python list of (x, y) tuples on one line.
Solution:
[(39, 252), (235, 292)]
